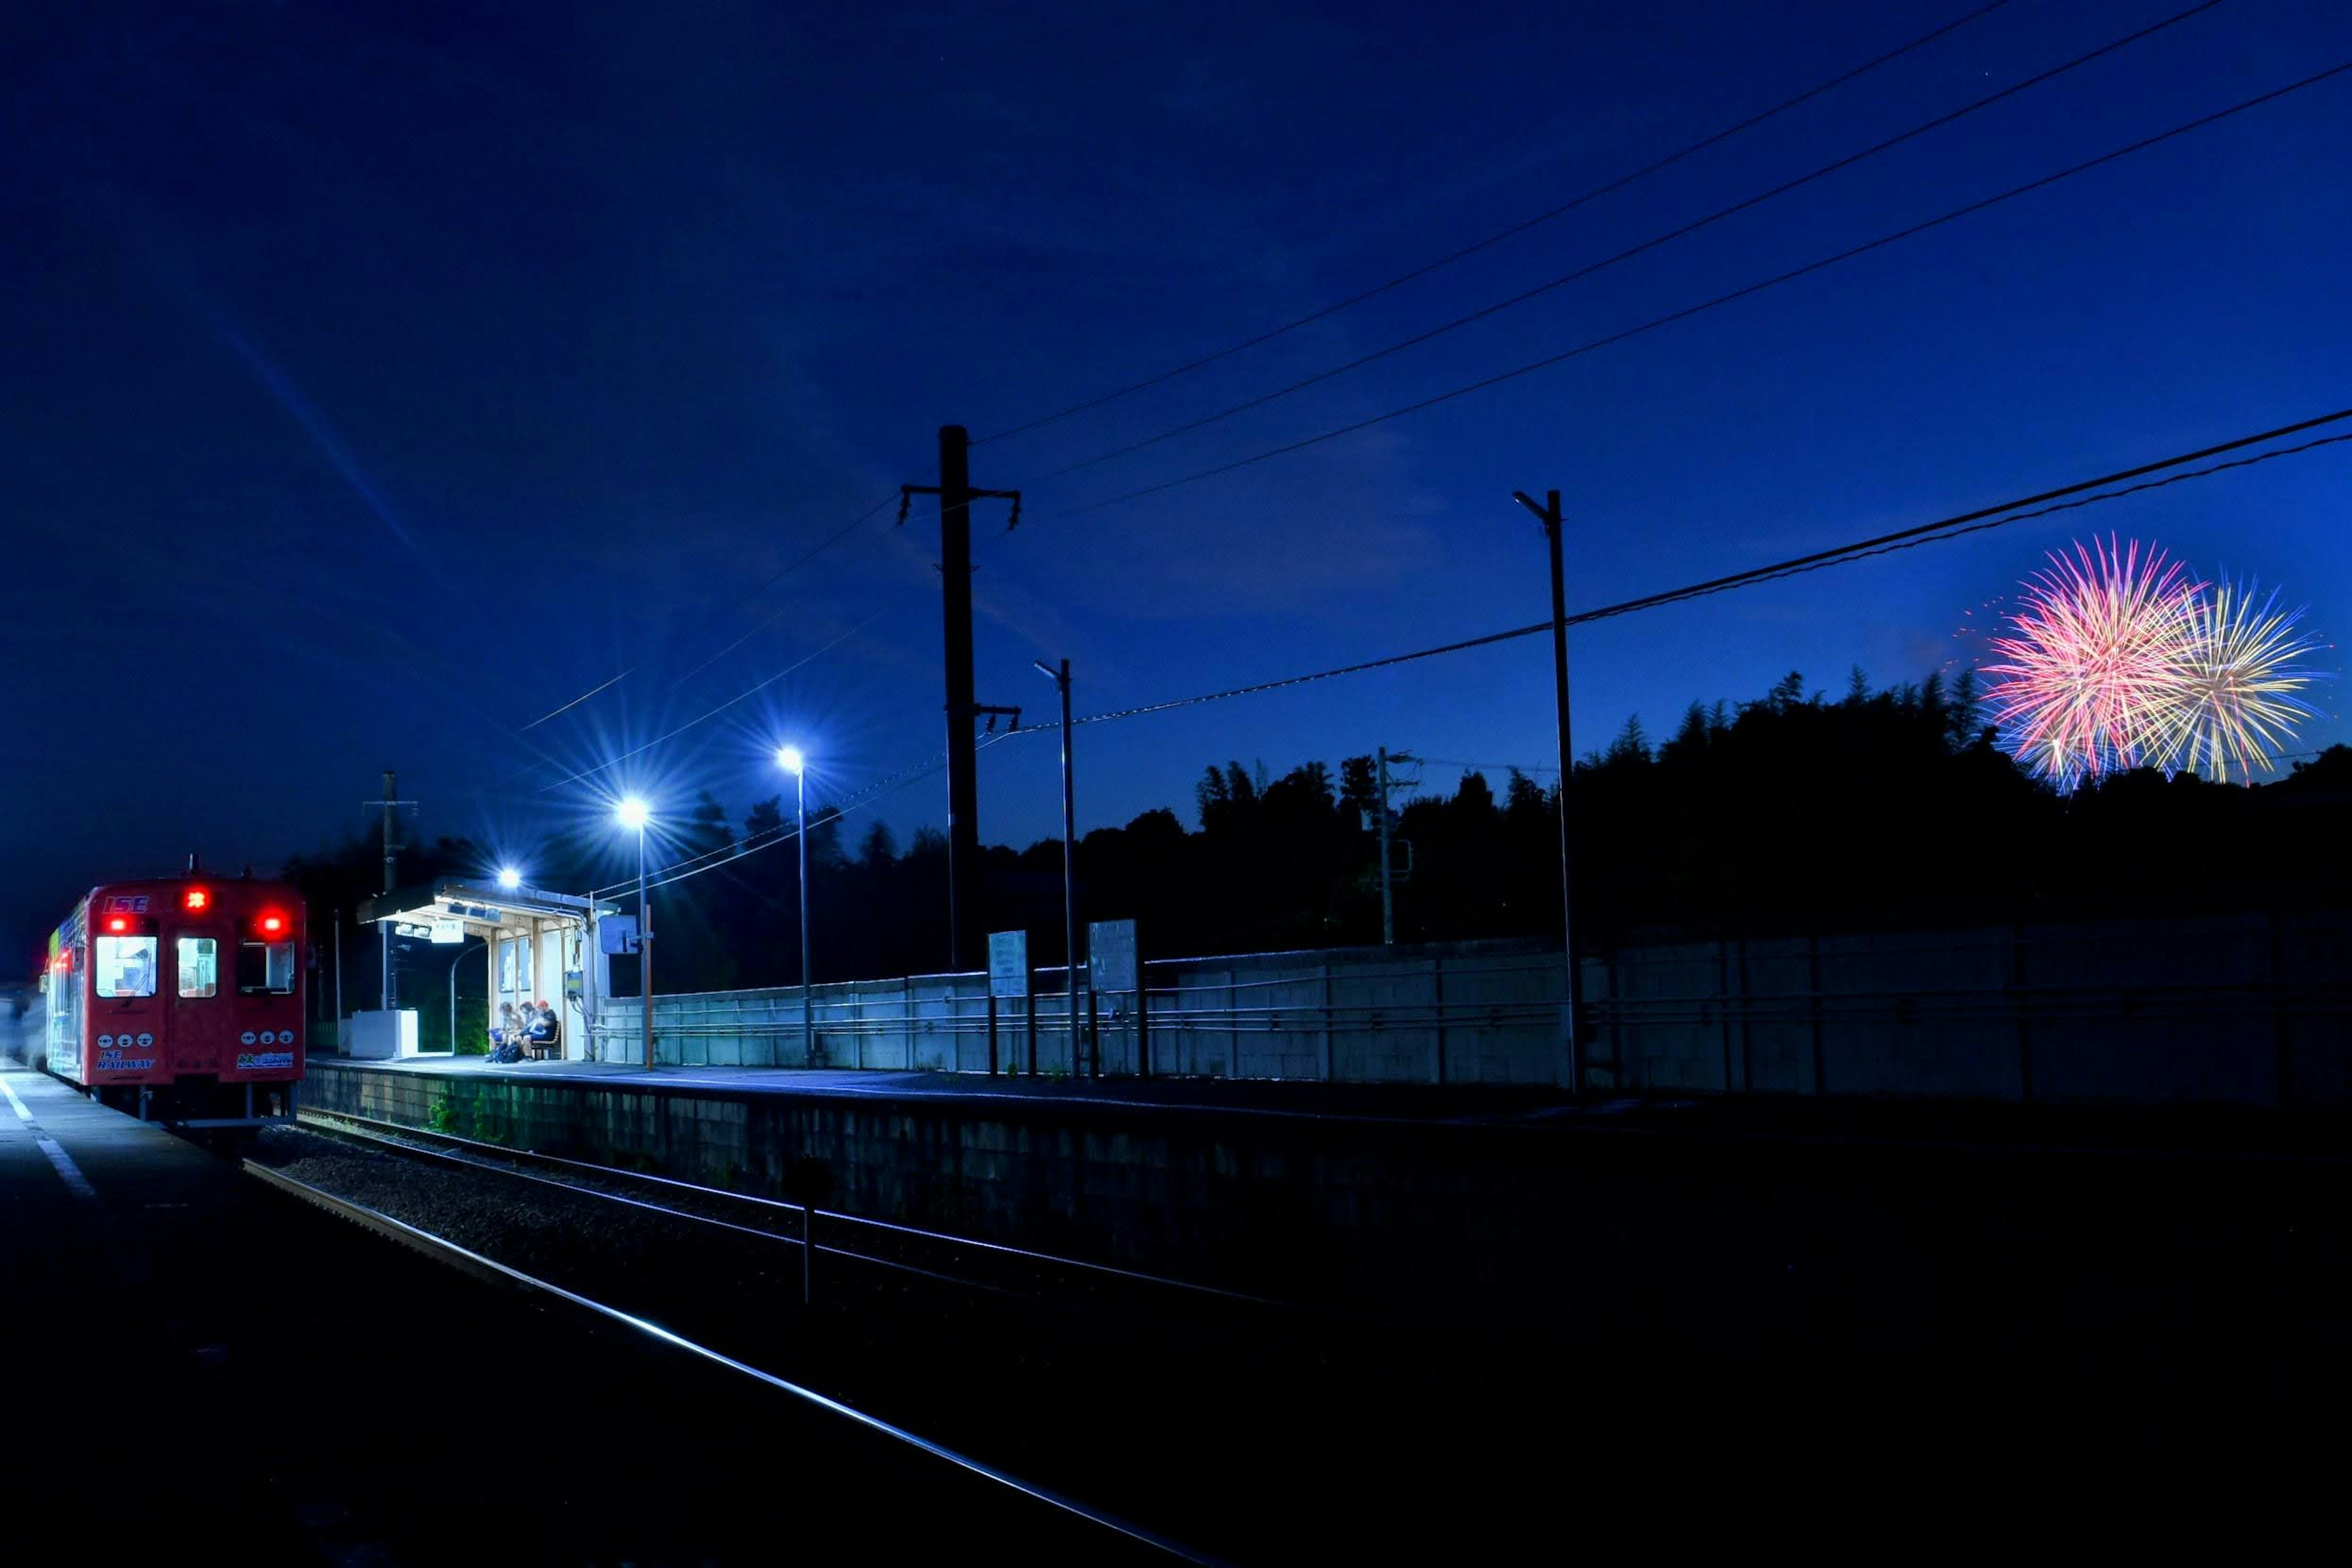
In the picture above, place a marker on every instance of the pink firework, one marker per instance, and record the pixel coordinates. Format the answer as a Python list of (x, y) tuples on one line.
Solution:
[(2091, 668)]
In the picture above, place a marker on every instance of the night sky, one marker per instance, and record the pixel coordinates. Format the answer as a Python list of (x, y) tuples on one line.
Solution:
[(377, 378)]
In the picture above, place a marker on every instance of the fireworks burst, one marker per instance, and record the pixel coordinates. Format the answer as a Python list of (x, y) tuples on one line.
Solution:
[(2241, 670), (2092, 660), (2117, 658)]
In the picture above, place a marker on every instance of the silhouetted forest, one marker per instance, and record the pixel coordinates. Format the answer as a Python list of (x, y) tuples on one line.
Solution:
[(1870, 809)]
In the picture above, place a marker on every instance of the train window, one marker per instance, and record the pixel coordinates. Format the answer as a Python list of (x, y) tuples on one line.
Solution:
[(124, 965), (265, 966), (199, 966)]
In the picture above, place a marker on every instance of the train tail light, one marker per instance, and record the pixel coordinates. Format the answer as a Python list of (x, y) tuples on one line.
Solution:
[(119, 923), (195, 900), (273, 925)]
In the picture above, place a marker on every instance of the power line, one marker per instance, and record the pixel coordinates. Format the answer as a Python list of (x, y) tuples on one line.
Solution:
[(1481, 767), (1967, 523), (2062, 498), (1721, 300), (748, 691), (1521, 298), (889, 784), (804, 559), (1619, 183)]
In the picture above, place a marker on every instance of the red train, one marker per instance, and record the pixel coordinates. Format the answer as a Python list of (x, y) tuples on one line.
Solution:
[(182, 1000)]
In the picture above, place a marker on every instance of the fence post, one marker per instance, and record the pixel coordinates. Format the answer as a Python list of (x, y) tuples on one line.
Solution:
[(2281, 1040), (992, 1032), (1142, 1021), (1094, 1035), (1331, 1061), (1722, 1004), (1437, 1012), (2013, 977), (906, 1018), (1814, 1007)]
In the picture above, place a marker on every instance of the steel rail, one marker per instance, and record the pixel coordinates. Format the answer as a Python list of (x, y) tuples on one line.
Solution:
[(443, 1250), (483, 1155)]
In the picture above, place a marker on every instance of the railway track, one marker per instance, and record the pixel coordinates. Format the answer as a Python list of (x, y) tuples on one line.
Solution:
[(450, 1253), (1048, 1279)]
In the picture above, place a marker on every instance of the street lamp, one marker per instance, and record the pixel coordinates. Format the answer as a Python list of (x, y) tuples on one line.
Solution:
[(1061, 678), (632, 814), (509, 878), (789, 758)]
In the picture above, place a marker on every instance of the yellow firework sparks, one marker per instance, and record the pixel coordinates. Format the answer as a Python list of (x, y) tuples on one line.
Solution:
[(2238, 695)]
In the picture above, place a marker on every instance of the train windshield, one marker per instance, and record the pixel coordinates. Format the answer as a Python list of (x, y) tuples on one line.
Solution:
[(124, 965), (199, 966), (266, 966)]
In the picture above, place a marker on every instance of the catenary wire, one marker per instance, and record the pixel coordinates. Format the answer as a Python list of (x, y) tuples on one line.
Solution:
[(1924, 533), (1498, 237), (1688, 312), (830, 540), (713, 714), (1652, 243), (2042, 504)]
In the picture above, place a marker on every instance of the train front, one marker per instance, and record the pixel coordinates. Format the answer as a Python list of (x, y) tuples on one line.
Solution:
[(196, 1000)]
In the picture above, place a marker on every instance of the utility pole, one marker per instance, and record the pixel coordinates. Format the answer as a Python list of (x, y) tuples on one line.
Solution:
[(1388, 904), (389, 992), (1549, 514), (1061, 678), (966, 916)]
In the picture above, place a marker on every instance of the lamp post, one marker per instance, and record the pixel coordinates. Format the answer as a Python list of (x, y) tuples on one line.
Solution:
[(1549, 514), (789, 758), (1061, 679), (634, 814)]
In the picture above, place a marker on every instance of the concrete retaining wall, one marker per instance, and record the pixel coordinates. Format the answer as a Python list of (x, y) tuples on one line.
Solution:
[(2243, 1009)]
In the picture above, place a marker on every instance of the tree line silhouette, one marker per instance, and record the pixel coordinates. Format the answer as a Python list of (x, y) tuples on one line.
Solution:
[(1875, 810)]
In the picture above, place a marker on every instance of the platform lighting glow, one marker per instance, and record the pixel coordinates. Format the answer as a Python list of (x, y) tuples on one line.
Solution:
[(509, 878), (2117, 659), (633, 812), (789, 758)]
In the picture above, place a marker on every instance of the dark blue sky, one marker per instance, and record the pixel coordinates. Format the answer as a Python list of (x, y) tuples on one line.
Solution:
[(377, 377)]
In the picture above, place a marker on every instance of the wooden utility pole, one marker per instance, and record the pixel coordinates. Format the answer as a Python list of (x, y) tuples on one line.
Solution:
[(967, 917)]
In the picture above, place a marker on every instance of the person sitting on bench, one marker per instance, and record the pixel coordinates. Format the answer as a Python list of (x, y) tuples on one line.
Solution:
[(544, 1035)]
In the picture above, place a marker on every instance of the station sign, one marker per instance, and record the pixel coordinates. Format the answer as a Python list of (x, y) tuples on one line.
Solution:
[(407, 929), (617, 934), (1008, 963), (1110, 956), (448, 931)]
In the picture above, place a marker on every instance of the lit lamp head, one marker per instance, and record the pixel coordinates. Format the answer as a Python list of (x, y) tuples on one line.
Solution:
[(632, 814), (509, 878), (789, 758)]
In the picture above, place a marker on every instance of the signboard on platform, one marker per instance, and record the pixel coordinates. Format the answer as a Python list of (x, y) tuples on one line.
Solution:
[(616, 933), (411, 930), (1008, 963), (1110, 956), (448, 931)]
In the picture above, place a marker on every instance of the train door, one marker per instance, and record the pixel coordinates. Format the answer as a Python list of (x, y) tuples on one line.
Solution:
[(202, 954)]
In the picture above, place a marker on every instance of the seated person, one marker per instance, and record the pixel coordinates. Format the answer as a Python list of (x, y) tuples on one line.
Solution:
[(542, 1032)]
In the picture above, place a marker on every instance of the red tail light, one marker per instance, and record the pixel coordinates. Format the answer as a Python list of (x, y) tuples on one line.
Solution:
[(273, 925), (118, 923), (195, 900)]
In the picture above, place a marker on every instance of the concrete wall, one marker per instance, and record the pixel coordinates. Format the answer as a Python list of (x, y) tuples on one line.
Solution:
[(2247, 1009)]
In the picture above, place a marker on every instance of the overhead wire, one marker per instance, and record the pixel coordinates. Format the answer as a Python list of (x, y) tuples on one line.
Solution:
[(1655, 323), (1652, 243), (1499, 235), (2043, 503), (1998, 515), (713, 714)]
